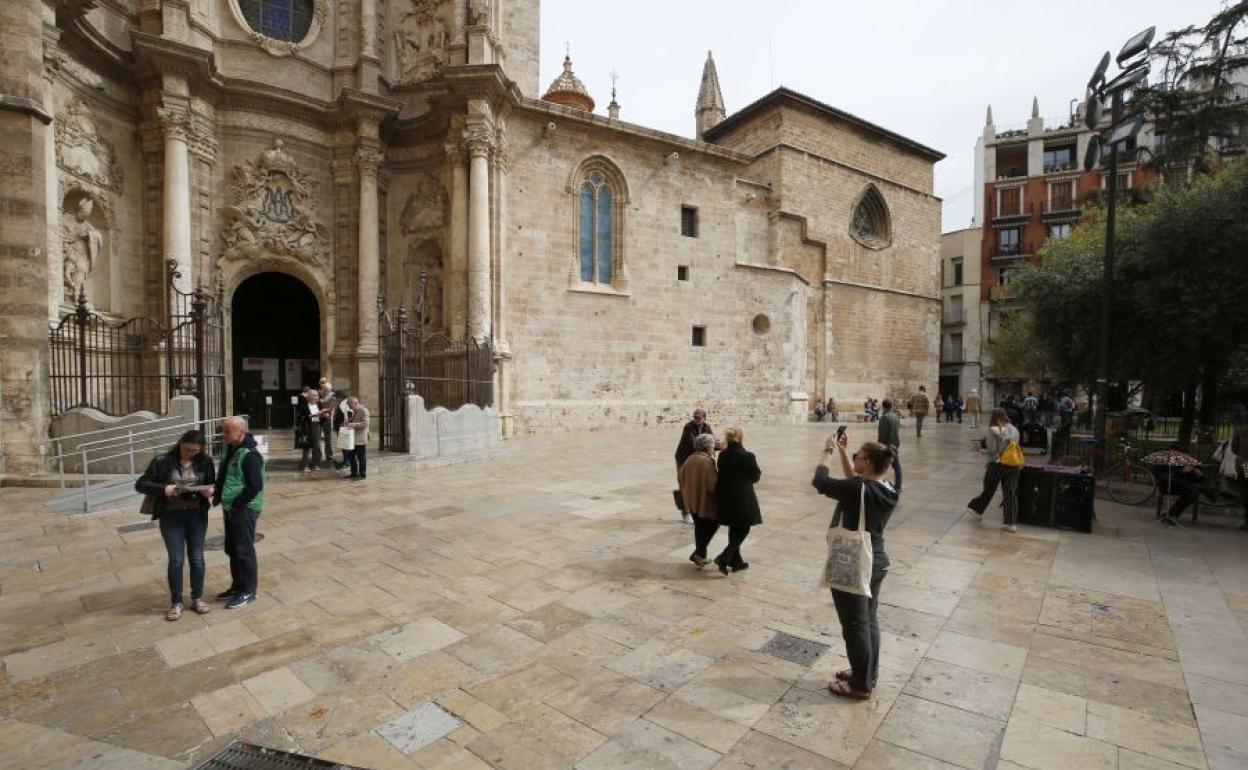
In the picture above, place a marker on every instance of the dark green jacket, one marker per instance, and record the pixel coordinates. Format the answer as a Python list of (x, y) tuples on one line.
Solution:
[(241, 482), (889, 431)]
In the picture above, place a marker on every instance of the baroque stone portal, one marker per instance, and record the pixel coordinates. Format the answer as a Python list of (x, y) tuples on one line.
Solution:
[(274, 211)]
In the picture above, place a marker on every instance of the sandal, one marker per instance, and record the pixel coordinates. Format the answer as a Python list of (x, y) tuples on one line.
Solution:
[(201, 606), (843, 690), (175, 612), (844, 675)]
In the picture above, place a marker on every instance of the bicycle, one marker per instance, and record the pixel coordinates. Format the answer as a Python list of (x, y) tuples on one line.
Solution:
[(1127, 480)]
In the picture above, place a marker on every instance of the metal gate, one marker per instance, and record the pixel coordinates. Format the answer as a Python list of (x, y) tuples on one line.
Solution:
[(413, 360), (123, 366)]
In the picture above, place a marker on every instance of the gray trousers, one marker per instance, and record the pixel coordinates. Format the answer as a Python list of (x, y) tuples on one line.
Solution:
[(860, 629)]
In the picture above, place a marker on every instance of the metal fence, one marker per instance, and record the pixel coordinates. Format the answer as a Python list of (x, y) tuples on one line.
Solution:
[(413, 360), (124, 366)]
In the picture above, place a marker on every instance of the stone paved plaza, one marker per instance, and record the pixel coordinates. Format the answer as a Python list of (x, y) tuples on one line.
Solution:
[(536, 610)]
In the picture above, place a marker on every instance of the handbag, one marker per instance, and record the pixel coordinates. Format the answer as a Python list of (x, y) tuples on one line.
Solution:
[(346, 438), (148, 506), (1012, 455), (850, 557), (301, 440)]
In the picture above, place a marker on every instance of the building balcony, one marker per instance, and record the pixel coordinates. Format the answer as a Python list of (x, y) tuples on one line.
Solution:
[(1001, 293), (1011, 253), (1061, 168), (952, 357), (1060, 206), (954, 318), (1016, 213)]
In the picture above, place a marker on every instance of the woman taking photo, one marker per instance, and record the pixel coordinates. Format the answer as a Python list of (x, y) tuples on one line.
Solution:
[(735, 501), (862, 487), (179, 484), (1000, 435)]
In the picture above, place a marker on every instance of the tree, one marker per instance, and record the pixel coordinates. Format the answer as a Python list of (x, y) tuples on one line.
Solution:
[(1179, 318), (1193, 102)]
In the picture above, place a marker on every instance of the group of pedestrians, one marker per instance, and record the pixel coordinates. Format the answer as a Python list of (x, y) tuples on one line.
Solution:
[(327, 418), (179, 488), (715, 494)]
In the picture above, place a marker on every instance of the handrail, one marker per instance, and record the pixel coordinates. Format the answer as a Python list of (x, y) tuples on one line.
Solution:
[(114, 428), (130, 433)]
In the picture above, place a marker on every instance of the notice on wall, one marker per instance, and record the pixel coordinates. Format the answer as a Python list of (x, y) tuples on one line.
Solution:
[(293, 373), (269, 369)]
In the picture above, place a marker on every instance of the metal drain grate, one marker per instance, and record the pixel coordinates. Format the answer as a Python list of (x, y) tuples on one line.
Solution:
[(241, 755), (794, 649), (217, 542), (142, 525)]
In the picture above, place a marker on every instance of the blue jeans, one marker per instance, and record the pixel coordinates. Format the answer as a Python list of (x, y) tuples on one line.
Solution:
[(240, 546), (897, 469), (183, 531)]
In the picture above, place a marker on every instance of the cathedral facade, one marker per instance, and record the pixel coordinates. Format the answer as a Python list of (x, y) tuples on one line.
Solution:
[(367, 153)]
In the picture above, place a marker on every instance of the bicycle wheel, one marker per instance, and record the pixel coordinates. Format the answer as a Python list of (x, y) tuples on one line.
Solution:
[(1072, 461), (1130, 485)]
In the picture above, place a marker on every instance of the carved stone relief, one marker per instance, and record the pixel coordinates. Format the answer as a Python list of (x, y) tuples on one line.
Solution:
[(425, 211), (420, 41), (81, 150), (274, 211)]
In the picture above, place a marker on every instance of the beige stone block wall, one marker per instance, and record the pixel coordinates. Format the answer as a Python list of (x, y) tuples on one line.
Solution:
[(879, 344), (522, 44), (592, 360), (855, 147)]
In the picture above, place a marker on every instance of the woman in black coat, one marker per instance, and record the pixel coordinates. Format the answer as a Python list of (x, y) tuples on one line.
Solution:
[(179, 483), (736, 504)]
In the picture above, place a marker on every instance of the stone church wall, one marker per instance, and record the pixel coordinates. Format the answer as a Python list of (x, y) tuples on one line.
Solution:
[(591, 360)]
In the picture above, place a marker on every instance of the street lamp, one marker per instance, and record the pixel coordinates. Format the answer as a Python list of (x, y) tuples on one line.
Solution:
[(1133, 63)]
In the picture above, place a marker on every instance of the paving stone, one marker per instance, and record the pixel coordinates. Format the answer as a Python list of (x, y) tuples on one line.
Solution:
[(418, 728), (644, 745)]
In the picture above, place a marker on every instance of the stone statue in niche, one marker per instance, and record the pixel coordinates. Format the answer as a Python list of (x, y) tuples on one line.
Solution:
[(423, 267), (81, 243), (80, 149), (480, 12), (425, 210), (273, 211), (421, 41)]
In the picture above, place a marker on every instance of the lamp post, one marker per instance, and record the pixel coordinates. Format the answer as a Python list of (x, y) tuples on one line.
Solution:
[(1132, 60)]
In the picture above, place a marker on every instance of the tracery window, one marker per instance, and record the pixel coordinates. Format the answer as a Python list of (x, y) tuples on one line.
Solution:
[(285, 20), (596, 228), (870, 224)]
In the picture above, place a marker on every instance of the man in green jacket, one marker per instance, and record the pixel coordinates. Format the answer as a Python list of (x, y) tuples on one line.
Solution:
[(240, 493), (888, 433)]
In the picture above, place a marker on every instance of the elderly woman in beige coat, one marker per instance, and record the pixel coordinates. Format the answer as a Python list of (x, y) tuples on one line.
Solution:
[(697, 487)]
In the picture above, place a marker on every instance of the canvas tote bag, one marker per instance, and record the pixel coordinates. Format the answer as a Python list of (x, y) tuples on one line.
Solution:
[(848, 565)]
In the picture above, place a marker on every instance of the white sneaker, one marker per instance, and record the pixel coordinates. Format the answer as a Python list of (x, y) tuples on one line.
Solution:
[(684, 515), (979, 516), (1009, 528)]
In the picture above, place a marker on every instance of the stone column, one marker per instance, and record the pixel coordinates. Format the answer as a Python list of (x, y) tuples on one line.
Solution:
[(454, 297), (479, 300), (176, 196), (502, 383), (368, 28), (368, 270)]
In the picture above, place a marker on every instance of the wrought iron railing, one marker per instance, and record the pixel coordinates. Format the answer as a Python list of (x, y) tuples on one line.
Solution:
[(413, 360)]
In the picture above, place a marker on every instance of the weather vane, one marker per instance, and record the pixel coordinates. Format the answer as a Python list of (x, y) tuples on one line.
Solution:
[(615, 77)]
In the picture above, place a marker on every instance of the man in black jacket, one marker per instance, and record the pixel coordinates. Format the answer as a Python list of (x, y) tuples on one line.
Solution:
[(694, 428)]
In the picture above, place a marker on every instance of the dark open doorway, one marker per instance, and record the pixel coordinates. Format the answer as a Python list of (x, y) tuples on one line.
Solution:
[(276, 346)]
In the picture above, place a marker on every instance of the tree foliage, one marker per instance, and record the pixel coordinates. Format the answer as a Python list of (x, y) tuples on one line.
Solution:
[(1192, 102)]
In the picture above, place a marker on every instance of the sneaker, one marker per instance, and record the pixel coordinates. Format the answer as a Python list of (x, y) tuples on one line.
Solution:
[(201, 607), (975, 513), (1169, 520), (701, 561), (1009, 528), (307, 470), (240, 600), (228, 593), (685, 517), (175, 612)]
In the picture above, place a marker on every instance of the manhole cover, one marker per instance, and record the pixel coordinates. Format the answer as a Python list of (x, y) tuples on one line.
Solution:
[(217, 542), (240, 755), (794, 649), (142, 525)]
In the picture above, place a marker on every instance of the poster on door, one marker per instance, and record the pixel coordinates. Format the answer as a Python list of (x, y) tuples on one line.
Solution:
[(293, 374), (269, 369)]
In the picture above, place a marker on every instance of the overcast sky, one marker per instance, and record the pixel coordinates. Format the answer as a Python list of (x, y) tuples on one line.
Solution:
[(926, 69)]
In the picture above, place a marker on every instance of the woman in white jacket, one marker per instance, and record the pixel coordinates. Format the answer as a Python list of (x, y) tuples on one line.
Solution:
[(1000, 434)]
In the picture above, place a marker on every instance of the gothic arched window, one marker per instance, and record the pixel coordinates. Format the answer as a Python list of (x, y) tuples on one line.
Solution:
[(871, 224), (285, 20), (596, 228)]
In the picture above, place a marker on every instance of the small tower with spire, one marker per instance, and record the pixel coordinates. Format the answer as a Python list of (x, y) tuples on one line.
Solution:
[(710, 109), (613, 109)]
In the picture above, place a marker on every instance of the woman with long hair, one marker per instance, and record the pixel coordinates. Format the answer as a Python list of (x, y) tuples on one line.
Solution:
[(863, 492), (736, 503), (1000, 434), (180, 483)]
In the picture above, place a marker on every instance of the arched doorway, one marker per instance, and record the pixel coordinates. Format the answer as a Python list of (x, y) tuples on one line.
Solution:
[(276, 336)]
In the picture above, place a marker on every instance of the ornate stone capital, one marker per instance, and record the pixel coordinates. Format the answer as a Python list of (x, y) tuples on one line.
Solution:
[(274, 212), (478, 142), (174, 122), (368, 160), (454, 152)]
